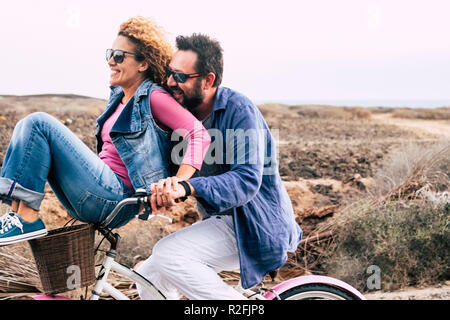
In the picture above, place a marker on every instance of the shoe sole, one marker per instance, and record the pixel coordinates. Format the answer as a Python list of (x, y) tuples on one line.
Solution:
[(23, 237)]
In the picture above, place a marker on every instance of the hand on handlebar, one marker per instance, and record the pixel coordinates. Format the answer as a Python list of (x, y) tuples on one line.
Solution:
[(165, 192)]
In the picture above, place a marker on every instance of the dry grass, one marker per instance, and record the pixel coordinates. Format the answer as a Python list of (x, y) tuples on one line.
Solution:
[(347, 113), (18, 274), (411, 168), (315, 111), (423, 114)]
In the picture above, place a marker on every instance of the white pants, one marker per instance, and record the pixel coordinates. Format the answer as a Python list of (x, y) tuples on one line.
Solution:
[(187, 261)]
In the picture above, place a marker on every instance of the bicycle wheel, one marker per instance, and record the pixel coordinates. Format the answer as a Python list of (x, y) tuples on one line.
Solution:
[(317, 291)]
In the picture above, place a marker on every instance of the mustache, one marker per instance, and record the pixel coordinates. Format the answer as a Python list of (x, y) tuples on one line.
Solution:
[(175, 89)]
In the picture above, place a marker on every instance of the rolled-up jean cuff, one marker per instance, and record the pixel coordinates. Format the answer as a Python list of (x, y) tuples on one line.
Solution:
[(12, 191)]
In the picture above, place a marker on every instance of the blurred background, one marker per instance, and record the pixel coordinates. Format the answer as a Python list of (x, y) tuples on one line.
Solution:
[(348, 52)]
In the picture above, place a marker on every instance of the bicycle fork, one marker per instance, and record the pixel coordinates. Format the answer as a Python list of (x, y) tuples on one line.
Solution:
[(102, 284)]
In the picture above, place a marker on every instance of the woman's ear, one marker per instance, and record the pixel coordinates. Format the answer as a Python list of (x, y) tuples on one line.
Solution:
[(143, 66)]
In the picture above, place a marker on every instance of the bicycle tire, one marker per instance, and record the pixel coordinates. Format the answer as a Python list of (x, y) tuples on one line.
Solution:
[(317, 291)]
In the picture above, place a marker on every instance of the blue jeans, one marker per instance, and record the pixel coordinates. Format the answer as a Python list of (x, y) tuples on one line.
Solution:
[(43, 149)]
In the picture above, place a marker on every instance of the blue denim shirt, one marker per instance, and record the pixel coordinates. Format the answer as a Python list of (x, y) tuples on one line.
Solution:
[(250, 185), (142, 145)]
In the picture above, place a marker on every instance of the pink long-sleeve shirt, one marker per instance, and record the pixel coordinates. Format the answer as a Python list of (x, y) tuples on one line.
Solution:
[(168, 115)]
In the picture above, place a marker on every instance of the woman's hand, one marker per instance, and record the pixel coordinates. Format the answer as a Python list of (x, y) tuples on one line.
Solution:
[(165, 192)]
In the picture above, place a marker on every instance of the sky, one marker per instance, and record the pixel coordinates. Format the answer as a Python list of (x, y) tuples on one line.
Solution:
[(284, 50)]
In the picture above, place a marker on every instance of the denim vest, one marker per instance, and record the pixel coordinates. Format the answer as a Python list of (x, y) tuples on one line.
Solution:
[(143, 146)]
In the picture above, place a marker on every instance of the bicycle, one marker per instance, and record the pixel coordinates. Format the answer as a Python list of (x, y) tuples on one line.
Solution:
[(299, 288)]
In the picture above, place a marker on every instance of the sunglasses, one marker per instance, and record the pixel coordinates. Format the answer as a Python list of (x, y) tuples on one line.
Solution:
[(119, 55), (181, 77)]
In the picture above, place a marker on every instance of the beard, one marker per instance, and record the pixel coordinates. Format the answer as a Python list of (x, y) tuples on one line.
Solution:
[(192, 99)]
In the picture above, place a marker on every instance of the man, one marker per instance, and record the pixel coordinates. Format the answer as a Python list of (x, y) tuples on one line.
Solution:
[(247, 218)]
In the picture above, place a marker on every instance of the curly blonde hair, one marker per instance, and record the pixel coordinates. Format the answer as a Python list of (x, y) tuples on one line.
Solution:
[(151, 43)]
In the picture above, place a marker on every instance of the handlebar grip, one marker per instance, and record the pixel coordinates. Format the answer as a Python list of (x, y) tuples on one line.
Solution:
[(140, 193), (143, 199), (147, 210)]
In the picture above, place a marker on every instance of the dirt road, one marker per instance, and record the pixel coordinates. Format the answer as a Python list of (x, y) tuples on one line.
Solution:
[(440, 292), (438, 128)]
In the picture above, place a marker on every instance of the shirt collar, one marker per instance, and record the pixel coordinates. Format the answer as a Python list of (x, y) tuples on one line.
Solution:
[(220, 99)]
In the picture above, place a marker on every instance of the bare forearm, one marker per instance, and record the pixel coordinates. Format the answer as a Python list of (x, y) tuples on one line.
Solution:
[(185, 171)]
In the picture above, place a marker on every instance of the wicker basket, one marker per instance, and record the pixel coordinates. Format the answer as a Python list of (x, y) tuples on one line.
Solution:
[(65, 258)]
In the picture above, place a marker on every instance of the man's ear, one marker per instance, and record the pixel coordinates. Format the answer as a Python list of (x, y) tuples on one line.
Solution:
[(209, 81)]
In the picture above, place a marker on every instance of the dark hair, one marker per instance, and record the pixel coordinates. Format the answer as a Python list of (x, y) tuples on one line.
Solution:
[(209, 54)]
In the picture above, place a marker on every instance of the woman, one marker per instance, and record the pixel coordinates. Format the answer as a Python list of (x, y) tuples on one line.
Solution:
[(133, 141)]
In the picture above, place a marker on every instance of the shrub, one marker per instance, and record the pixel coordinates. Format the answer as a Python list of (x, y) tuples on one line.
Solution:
[(408, 241), (412, 167), (403, 227)]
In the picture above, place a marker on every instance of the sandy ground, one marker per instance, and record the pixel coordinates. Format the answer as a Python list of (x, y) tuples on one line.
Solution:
[(440, 292)]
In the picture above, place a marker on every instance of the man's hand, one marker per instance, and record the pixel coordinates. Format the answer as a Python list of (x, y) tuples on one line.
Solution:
[(165, 192)]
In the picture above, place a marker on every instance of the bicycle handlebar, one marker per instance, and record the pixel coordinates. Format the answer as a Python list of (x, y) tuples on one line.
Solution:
[(140, 197)]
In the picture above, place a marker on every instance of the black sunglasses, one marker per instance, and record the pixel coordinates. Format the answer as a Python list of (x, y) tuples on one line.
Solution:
[(119, 55), (181, 77)]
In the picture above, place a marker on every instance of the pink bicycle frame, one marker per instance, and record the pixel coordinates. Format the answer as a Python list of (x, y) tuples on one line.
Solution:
[(303, 280)]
